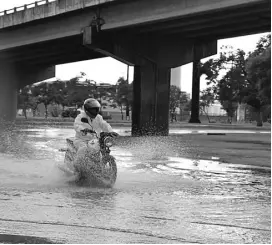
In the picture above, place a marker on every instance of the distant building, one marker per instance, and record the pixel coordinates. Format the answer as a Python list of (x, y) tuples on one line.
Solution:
[(176, 77), (187, 95)]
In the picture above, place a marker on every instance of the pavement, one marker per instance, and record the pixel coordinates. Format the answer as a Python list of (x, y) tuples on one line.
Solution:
[(171, 189)]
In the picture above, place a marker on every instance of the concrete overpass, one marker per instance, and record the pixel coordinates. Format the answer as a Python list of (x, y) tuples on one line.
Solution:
[(153, 35)]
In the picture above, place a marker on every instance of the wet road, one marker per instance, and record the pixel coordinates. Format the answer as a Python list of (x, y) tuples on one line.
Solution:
[(159, 197)]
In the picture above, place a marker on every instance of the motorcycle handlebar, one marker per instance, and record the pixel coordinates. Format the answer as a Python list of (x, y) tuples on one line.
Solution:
[(88, 131), (102, 134), (111, 134)]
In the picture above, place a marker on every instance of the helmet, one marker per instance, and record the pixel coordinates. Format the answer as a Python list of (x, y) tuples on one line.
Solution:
[(91, 107)]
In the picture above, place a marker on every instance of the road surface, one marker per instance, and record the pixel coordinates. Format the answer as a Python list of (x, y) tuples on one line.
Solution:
[(159, 196)]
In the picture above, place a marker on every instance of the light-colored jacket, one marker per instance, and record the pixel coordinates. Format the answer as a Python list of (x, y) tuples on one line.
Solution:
[(98, 125)]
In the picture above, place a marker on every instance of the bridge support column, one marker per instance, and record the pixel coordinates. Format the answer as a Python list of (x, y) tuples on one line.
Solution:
[(12, 78), (8, 92), (150, 100), (152, 58), (196, 85)]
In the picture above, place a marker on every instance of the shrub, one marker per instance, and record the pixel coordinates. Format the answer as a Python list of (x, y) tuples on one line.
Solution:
[(70, 112), (55, 112)]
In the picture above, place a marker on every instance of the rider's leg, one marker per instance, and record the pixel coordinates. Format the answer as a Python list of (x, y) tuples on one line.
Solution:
[(79, 159), (85, 154), (79, 143)]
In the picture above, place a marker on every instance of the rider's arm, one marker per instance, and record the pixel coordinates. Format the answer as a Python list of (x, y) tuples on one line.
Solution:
[(104, 125), (78, 125)]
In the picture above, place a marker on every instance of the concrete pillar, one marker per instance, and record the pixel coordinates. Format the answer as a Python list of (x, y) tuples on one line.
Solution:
[(196, 86), (162, 103), (14, 77), (152, 59), (150, 100), (8, 92)]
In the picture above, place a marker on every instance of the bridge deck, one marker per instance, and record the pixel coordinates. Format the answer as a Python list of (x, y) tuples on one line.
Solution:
[(43, 9), (125, 13)]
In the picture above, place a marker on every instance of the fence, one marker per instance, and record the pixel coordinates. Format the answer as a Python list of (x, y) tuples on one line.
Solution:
[(25, 6)]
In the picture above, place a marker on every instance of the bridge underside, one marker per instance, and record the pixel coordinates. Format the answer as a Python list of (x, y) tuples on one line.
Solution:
[(157, 46), (153, 47), (156, 20), (220, 24), (48, 53)]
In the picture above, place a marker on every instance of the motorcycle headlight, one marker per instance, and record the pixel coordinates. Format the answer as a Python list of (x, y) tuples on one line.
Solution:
[(108, 141)]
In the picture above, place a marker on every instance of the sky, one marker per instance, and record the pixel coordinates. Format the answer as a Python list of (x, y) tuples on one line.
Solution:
[(108, 70)]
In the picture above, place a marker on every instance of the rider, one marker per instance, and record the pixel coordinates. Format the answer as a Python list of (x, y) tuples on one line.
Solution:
[(95, 123)]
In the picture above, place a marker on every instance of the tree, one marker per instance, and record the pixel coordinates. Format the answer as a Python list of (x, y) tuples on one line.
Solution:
[(33, 104), (206, 99), (78, 91), (44, 92), (184, 104), (188, 105), (105, 92), (229, 94), (24, 99), (175, 98), (178, 99), (124, 95), (236, 77), (60, 93), (227, 77), (65, 93), (257, 93)]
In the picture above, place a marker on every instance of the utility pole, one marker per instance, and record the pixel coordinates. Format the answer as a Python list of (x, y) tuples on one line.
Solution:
[(127, 73)]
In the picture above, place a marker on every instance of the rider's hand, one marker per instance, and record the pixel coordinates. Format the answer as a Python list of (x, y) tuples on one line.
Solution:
[(86, 130), (114, 134)]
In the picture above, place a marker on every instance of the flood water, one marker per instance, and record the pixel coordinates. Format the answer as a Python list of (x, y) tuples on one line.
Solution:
[(159, 196)]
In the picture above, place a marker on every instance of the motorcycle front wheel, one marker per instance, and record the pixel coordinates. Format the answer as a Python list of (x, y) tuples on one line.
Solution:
[(102, 175), (109, 174)]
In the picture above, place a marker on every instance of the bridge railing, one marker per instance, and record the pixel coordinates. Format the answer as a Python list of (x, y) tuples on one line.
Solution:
[(25, 6)]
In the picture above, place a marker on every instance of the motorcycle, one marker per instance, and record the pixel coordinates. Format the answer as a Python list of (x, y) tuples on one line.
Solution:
[(96, 166)]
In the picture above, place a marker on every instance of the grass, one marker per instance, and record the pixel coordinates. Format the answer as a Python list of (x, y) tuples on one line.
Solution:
[(249, 149)]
